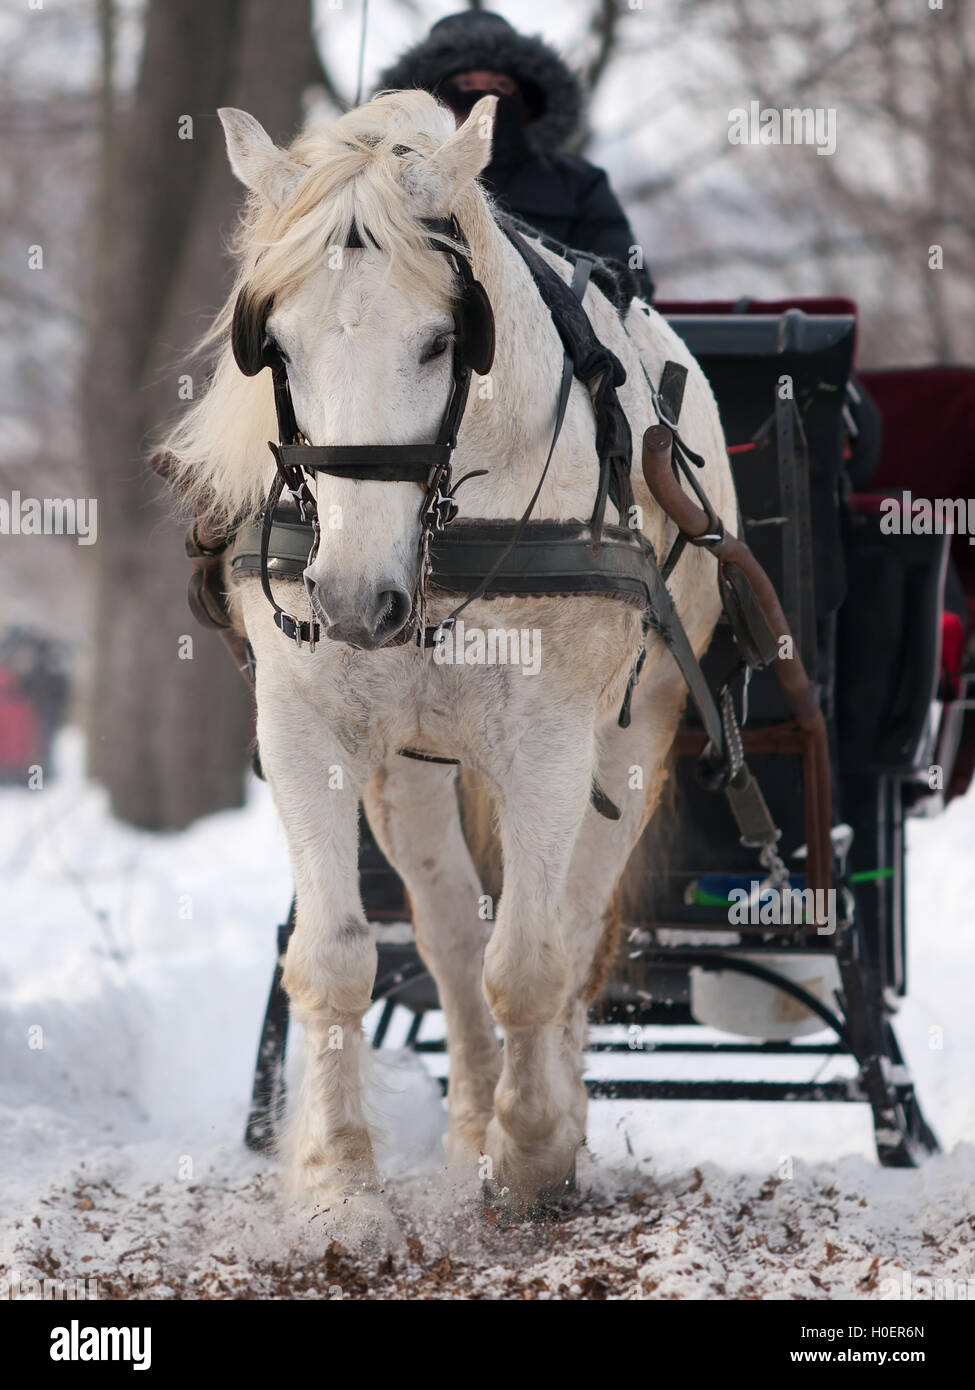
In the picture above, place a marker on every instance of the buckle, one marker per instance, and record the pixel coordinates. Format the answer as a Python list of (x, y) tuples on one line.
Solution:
[(663, 413), (709, 538), (304, 501), (298, 626), (445, 510), (434, 636)]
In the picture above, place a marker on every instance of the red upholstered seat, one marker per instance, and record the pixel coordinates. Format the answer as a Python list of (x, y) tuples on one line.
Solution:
[(929, 442), (813, 305)]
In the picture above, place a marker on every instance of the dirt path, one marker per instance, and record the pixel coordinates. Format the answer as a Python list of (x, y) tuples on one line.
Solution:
[(836, 1231)]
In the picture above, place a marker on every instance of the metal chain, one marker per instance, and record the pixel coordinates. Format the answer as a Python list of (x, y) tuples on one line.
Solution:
[(778, 873)]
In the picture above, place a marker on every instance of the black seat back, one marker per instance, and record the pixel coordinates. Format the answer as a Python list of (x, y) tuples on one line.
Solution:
[(787, 455)]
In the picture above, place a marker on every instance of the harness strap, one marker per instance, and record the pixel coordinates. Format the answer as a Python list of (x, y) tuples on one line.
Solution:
[(670, 392), (668, 399), (670, 395), (580, 279), (721, 765), (599, 800), (288, 431), (715, 531), (596, 366), (427, 757), (665, 622), (298, 629), (724, 755), (552, 557), (602, 803), (410, 463)]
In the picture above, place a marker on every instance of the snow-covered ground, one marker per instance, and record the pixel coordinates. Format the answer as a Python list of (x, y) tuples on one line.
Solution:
[(133, 975)]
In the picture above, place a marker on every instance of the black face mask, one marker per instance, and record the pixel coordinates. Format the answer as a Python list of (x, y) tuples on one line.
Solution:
[(508, 143)]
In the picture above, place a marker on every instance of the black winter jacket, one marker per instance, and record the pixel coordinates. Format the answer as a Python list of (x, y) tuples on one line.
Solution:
[(566, 199), (562, 196)]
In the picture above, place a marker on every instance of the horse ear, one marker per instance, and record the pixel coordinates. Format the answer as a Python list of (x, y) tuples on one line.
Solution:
[(255, 158), (436, 180)]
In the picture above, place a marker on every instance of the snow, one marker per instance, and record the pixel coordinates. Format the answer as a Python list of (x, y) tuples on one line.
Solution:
[(133, 975)]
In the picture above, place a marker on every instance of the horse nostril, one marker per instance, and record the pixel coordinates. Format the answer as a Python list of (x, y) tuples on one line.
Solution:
[(315, 598), (394, 608)]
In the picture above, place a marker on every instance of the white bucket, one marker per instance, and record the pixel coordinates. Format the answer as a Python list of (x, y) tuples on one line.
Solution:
[(742, 1004)]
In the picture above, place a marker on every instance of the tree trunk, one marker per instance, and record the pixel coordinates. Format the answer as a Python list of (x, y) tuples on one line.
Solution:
[(169, 731)]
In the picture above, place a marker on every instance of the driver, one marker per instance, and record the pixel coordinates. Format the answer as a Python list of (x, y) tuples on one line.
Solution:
[(469, 55)]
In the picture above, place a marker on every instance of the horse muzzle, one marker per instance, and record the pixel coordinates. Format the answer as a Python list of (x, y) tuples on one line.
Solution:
[(375, 619)]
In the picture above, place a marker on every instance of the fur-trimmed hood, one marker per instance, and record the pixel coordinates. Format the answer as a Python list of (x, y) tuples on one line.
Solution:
[(479, 39)]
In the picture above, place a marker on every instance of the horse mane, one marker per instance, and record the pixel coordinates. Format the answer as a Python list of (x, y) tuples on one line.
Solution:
[(217, 457)]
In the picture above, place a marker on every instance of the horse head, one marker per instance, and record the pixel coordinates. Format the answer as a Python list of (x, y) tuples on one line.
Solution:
[(371, 327)]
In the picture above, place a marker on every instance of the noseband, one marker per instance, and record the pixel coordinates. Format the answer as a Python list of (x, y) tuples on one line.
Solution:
[(426, 464)]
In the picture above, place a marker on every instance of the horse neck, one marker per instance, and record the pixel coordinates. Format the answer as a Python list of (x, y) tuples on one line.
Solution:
[(508, 428)]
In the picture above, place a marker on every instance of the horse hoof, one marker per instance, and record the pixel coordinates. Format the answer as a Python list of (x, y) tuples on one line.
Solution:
[(552, 1203), (362, 1222)]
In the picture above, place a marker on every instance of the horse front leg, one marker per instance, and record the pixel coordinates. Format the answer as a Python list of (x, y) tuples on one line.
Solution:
[(534, 1134), (329, 973), (412, 808)]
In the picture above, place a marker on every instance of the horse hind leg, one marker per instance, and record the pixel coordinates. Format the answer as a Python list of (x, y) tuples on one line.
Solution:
[(413, 811), (633, 771)]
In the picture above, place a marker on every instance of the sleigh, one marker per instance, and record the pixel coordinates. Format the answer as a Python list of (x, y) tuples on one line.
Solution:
[(804, 958)]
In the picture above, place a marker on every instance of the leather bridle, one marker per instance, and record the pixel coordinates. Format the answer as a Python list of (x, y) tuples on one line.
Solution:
[(429, 465)]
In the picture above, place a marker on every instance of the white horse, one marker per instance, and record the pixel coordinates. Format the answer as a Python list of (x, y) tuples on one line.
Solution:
[(366, 334)]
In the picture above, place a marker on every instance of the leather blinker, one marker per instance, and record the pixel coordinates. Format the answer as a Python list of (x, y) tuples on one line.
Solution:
[(247, 333), (476, 328)]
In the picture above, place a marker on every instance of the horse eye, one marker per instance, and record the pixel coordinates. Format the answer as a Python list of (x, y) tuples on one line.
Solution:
[(436, 348)]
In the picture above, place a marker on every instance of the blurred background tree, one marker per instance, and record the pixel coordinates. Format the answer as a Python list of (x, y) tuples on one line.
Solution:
[(168, 736), (723, 219)]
